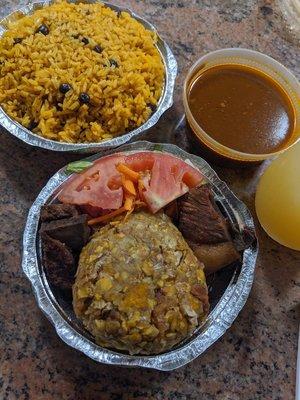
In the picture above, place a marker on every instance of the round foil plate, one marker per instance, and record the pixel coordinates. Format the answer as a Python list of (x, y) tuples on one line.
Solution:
[(228, 289), (164, 103)]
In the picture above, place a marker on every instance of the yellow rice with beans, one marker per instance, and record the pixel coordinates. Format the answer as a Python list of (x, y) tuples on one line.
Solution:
[(79, 73)]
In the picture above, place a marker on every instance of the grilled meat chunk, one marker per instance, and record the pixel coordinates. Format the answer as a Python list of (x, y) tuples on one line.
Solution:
[(53, 212), (215, 256), (58, 261), (63, 233), (200, 221), (73, 232), (205, 229)]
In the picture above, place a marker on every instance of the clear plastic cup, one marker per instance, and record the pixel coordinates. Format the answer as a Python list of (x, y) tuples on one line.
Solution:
[(277, 200)]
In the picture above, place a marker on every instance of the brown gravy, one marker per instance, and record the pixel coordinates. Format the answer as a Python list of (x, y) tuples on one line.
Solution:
[(242, 108)]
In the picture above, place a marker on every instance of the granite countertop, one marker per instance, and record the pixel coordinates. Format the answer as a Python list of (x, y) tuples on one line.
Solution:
[(256, 358)]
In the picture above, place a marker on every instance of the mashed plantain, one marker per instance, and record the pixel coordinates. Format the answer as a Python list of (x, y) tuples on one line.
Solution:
[(139, 287)]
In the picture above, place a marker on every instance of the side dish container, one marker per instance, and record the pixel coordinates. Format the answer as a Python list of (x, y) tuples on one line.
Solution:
[(260, 62), (165, 102), (228, 289)]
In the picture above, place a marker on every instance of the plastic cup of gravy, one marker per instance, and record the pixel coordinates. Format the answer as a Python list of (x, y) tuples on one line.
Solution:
[(242, 105)]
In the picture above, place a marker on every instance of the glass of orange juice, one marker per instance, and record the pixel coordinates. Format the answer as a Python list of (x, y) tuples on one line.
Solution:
[(278, 199)]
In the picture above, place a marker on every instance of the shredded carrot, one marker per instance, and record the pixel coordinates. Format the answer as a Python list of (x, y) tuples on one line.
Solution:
[(141, 187), (106, 217), (128, 172), (128, 213), (129, 203), (129, 186), (133, 197)]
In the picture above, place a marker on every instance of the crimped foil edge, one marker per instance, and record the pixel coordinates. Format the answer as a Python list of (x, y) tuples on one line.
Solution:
[(219, 320)]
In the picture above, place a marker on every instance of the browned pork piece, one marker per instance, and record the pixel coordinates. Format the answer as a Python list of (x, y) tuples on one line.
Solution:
[(53, 212), (58, 261), (205, 229), (73, 232), (139, 287), (63, 234)]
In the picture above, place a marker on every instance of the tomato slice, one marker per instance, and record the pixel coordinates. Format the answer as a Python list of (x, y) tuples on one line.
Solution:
[(142, 161), (169, 179), (164, 178), (98, 186)]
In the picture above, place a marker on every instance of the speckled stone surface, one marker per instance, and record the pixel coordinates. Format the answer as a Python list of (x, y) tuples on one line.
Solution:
[(256, 358)]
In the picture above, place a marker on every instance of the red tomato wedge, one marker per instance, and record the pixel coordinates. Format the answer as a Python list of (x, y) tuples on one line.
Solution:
[(169, 178), (99, 186), (164, 178)]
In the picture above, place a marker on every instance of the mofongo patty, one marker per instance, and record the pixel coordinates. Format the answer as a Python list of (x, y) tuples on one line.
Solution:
[(139, 287)]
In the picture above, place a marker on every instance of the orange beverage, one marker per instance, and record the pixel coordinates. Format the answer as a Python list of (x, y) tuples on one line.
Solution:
[(278, 199)]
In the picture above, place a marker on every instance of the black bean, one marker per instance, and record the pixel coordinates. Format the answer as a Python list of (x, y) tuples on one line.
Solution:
[(131, 126), (43, 29), (17, 40), (32, 125), (75, 36), (85, 40), (113, 63), (98, 49), (84, 98), (64, 88), (152, 107), (119, 13)]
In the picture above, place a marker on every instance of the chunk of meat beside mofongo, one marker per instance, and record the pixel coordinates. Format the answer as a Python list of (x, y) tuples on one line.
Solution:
[(205, 229), (64, 232)]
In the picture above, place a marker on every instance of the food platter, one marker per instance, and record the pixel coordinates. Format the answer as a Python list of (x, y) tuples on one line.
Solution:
[(228, 289), (138, 254), (139, 133)]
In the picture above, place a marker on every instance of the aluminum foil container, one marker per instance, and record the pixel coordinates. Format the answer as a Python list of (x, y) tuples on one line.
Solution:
[(165, 102), (228, 289)]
